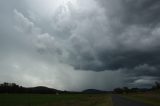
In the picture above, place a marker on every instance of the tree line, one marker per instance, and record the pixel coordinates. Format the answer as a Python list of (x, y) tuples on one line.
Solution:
[(156, 86), (14, 88)]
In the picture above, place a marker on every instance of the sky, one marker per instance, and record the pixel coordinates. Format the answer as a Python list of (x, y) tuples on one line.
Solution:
[(80, 44)]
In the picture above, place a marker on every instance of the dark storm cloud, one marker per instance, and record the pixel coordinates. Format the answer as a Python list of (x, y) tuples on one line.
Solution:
[(131, 44), (135, 45), (141, 12), (71, 44), (31, 55)]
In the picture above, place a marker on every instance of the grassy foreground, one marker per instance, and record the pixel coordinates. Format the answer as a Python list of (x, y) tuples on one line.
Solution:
[(55, 100), (152, 98)]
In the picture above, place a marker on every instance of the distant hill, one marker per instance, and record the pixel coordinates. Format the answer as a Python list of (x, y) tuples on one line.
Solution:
[(14, 88), (93, 91), (42, 89)]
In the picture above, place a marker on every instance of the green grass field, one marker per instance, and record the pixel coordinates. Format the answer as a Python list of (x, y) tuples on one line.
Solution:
[(55, 100), (152, 98), (73, 99)]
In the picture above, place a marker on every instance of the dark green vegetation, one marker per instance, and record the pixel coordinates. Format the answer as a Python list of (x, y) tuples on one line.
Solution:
[(127, 90), (14, 88), (152, 98), (55, 100), (12, 94)]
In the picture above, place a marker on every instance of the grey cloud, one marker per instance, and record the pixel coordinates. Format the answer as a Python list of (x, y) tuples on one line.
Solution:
[(144, 12), (128, 41), (143, 81), (94, 38), (136, 44)]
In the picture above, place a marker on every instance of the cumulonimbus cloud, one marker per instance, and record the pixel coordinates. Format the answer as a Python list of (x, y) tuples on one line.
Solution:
[(93, 36)]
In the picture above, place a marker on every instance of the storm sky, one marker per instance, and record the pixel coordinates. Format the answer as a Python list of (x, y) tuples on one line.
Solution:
[(80, 44)]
